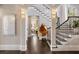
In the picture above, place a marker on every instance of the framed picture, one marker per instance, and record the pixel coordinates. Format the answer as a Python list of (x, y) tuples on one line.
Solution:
[(9, 25)]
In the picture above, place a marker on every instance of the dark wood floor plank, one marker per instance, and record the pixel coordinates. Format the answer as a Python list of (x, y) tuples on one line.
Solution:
[(37, 46)]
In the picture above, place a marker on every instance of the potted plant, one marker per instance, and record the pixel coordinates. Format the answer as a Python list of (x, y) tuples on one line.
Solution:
[(76, 26)]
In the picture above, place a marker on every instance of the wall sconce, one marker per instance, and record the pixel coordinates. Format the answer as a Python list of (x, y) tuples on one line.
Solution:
[(54, 11), (22, 13)]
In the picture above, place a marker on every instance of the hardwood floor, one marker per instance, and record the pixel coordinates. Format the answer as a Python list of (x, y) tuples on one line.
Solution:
[(41, 52), (11, 52), (37, 47)]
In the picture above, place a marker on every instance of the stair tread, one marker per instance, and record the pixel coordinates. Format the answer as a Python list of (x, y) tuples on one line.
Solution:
[(64, 34), (61, 38), (69, 32), (58, 43)]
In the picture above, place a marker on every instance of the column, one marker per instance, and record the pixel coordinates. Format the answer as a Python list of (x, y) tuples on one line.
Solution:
[(23, 27), (53, 28)]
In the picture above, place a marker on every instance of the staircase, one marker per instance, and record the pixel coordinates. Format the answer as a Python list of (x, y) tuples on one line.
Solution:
[(62, 38), (64, 34)]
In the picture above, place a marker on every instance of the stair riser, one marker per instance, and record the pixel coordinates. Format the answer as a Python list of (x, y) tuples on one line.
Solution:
[(61, 42), (64, 35), (61, 39)]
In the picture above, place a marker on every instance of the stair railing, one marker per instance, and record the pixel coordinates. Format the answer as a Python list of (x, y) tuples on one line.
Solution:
[(69, 25)]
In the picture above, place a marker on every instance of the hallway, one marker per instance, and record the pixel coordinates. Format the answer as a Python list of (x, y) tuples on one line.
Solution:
[(37, 46)]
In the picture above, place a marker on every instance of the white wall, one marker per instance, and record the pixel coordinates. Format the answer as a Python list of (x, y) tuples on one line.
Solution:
[(10, 42), (62, 13), (76, 6)]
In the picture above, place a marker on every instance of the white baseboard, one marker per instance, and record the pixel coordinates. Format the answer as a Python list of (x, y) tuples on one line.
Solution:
[(23, 48), (67, 48), (12, 47)]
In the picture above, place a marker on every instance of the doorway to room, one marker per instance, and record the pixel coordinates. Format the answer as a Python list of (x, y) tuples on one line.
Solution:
[(34, 45)]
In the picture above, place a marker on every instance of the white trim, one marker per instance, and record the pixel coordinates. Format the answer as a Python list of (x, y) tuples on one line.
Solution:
[(23, 48), (9, 47), (13, 47), (67, 48), (54, 46)]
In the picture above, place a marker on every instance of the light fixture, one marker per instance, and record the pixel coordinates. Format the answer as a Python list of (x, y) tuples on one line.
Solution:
[(22, 13), (54, 11)]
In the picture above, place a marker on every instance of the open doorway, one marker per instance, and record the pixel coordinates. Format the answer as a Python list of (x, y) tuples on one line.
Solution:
[(33, 25)]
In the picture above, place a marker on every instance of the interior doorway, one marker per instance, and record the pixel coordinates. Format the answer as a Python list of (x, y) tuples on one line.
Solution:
[(33, 25)]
